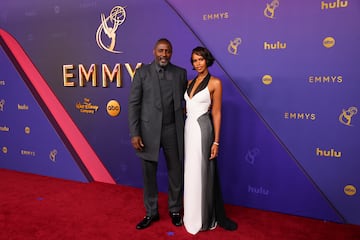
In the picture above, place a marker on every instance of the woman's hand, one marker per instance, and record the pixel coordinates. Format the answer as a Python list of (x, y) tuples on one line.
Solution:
[(214, 150)]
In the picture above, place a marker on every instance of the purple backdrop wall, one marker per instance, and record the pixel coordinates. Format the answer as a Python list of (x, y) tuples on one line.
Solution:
[(290, 130)]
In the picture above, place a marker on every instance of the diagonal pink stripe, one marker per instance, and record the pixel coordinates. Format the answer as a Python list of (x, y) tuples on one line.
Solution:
[(87, 155)]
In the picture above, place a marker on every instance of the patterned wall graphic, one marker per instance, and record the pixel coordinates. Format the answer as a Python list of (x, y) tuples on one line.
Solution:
[(290, 130)]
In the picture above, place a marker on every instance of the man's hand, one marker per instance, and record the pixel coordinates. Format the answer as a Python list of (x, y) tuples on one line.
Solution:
[(137, 143)]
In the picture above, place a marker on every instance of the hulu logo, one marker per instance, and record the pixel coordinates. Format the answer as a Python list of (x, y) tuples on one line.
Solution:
[(332, 5), (274, 46), (327, 153)]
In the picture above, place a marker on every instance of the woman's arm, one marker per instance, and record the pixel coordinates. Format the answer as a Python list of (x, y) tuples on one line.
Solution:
[(216, 99)]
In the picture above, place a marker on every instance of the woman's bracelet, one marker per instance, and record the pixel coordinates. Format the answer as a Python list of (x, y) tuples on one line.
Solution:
[(216, 143)]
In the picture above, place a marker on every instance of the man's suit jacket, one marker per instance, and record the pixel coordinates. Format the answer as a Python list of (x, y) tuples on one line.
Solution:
[(145, 108)]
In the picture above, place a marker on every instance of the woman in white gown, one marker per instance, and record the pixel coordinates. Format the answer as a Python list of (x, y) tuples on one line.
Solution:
[(203, 204)]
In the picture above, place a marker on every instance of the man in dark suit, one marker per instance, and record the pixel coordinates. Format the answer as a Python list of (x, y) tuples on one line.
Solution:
[(156, 120)]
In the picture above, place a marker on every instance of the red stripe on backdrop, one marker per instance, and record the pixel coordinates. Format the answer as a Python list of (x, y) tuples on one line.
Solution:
[(69, 128)]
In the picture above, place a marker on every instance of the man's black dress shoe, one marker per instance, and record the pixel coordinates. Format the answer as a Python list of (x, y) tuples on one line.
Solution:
[(176, 219), (147, 221)]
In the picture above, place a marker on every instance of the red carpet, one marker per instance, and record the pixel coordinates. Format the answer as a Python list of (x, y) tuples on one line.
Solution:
[(38, 207)]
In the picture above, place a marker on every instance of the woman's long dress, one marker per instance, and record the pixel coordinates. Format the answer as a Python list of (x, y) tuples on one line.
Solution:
[(199, 209)]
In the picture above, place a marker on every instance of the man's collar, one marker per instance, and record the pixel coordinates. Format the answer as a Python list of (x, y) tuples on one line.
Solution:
[(158, 67)]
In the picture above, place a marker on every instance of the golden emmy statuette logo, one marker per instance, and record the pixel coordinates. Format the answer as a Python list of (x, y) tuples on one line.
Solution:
[(267, 79), (2, 104), (269, 11), (109, 25), (329, 42), (27, 130), (346, 115), (4, 150), (113, 108), (350, 190), (233, 46), (52, 155)]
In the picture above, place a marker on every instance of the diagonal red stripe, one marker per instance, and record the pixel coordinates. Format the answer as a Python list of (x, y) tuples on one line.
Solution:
[(87, 155)]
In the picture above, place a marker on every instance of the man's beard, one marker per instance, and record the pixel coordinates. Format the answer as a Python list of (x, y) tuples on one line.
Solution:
[(163, 63)]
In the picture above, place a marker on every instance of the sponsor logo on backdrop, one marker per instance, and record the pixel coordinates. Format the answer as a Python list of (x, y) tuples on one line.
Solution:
[(86, 106), (215, 16), (346, 115), (233, 46), (52, 155), (113, 108), (350, 190), (27, 153), (258, 190), (329, 42), (335, 4), (91, 74), (108, 27), (4, 129), (274, 46), (299, 116), (326, 79), (23, 107), (269, 11), (267, 79), (27, 130), (2, 83), (4, 150), (251, 155), (2, 104), (327, 153)]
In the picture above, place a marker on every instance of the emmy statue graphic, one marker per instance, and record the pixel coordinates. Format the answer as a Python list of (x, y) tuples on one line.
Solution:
[(233, 46), (116, 18), (270, 8), (346, 115)]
